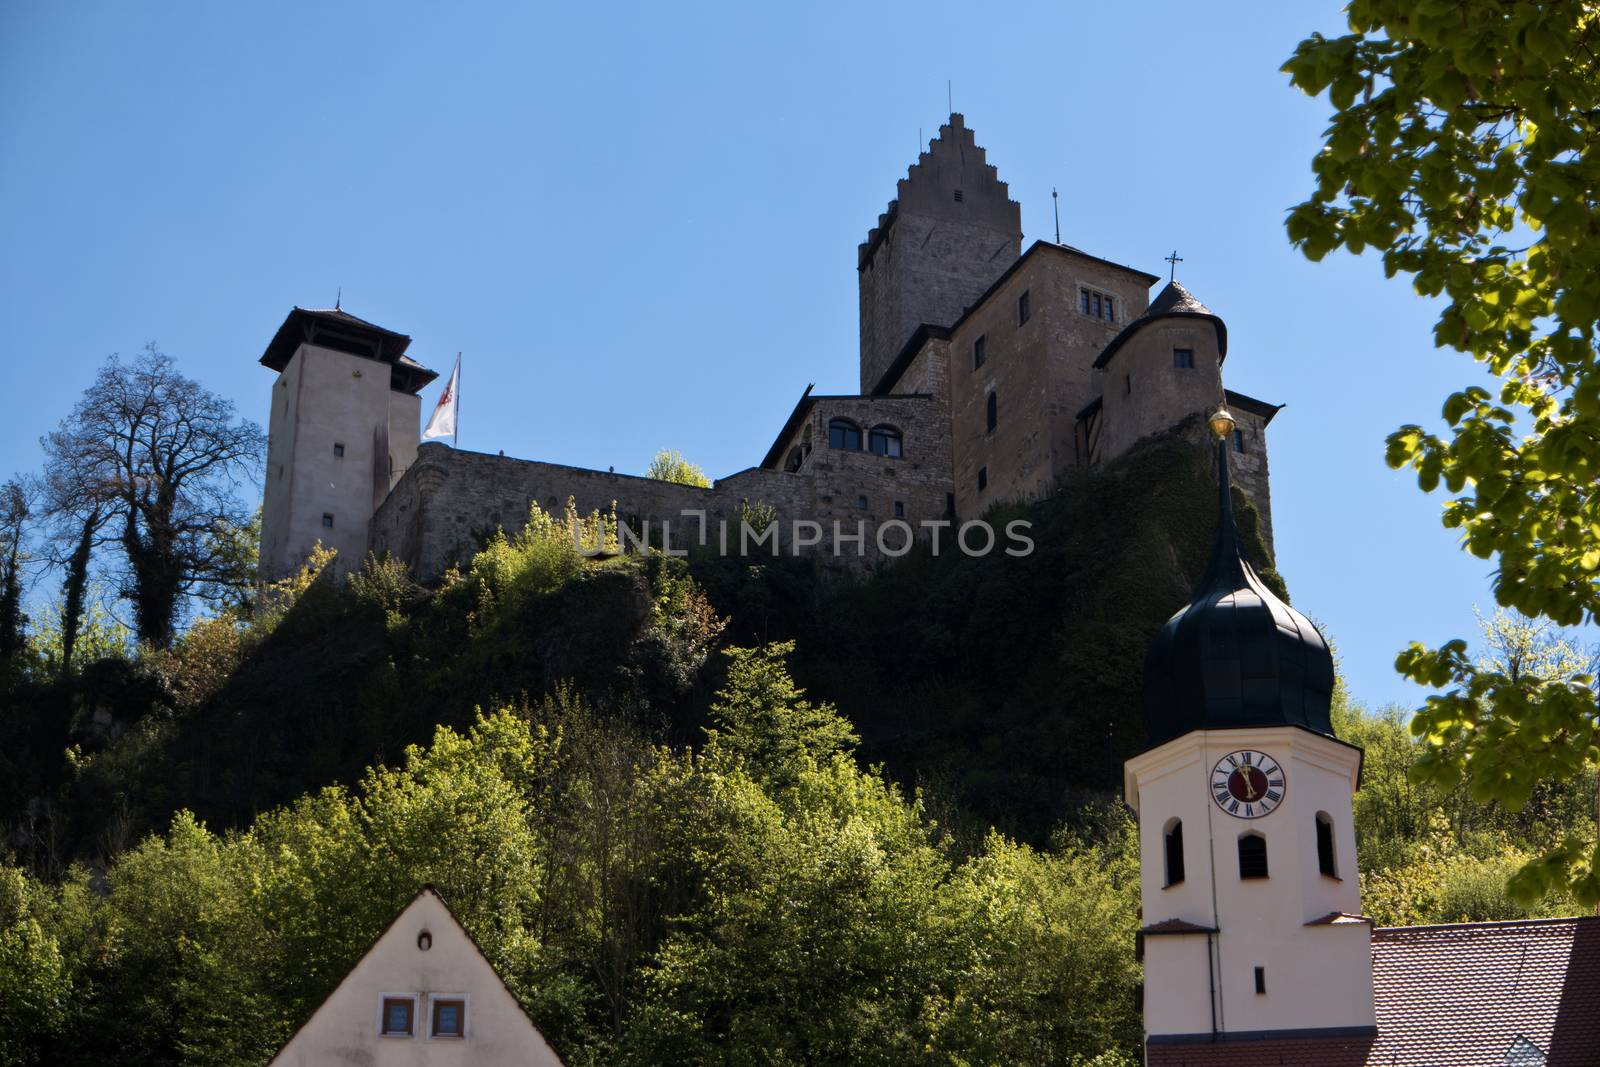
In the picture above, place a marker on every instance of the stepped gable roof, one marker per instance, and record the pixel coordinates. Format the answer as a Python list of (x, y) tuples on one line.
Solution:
[(1173, 302), (1463, 994), (1236, 655), (341, 331)]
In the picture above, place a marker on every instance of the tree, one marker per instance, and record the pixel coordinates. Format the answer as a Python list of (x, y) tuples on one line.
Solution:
[(163, 459), (1462, 148), (670, 466), (16, 501)]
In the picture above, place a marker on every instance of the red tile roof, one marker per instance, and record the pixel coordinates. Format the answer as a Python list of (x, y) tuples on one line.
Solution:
[(1458, 995)]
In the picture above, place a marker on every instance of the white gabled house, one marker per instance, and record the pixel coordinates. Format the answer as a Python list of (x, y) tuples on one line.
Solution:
[(423, 994)]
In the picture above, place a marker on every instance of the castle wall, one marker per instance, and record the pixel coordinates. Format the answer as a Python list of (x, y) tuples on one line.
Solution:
[(449, 501), (1039, 372)]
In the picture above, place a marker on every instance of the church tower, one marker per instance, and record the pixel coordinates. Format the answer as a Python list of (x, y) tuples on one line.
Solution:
[(1251, 903), (343, 428), (949, 233)]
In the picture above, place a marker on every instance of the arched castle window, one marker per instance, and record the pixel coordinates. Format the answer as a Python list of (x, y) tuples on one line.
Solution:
[(1173, 840), (1252, 855), (994, 411), (1325, 857), (842, 433), (796, 457), (884, 441)]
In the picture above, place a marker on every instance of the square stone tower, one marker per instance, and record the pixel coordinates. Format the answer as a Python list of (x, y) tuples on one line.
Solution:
[(343, 429), (949, 233)]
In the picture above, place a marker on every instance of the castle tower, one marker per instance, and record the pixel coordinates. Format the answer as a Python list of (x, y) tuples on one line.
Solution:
[(1251, 903), (949, 233), (343, 428)]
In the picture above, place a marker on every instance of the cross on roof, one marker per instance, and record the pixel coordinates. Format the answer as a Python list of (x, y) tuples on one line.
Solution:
[(1173, 259)]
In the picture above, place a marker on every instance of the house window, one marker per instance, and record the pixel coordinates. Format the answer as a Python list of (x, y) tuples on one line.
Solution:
[(1238, 441), (993, 414), (983, 478), (1024, 308), (1325, 845), (980, 351), (884, 441), (398, 1018), (1174, 850), (842, 433), (449, 1017), (899, 509), (327, 520), (1183, 358), (1261, 980), (1252, 856), (861, 502)]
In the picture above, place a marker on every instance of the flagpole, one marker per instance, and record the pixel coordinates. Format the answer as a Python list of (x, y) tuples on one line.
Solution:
[(455, 439)]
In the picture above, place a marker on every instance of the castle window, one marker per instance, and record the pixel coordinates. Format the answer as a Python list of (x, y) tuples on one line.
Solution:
[(1174, 851), (1024, 308), (993, 416), (796, 457), (884, 441), (899, 509), (980, 351), (327, 520), (397, 1018), (1252, 856), (1097, 305), (861, 502), (983, 478), (1238, 441), (1183, 358), (338, 449), (842, 433), (958, 196), (449, 1017), (1261, 980), (1127, 385), (1325, 845)]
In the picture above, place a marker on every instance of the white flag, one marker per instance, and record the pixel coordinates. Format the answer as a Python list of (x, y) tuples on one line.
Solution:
[(443, 422)]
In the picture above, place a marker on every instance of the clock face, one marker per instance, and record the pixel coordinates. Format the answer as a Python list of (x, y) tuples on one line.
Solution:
[(1247, 784)]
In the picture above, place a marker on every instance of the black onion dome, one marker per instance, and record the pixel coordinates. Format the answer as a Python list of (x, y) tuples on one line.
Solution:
[(1237, 655)]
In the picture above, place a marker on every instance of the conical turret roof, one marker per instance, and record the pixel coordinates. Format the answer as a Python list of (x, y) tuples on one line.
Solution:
[(1173, 302)]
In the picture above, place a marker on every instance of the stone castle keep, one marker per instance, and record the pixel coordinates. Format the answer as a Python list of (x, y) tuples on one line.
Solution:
[(987, 374)]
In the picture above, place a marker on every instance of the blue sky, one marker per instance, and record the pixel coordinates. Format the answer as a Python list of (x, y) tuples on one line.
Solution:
[(639, 223)]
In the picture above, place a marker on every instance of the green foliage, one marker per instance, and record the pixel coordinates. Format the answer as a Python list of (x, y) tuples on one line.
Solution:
[(670, 466), (1008, 687), (1460, 148), (765, 902)]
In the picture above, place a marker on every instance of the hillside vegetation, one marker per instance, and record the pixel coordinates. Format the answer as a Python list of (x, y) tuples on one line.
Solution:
[(695, 810)]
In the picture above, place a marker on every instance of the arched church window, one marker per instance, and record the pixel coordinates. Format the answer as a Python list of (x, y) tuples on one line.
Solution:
[(994, 411), (1174, 851), (842, 433), (1252, 856), (884, 441), (1325, 858)]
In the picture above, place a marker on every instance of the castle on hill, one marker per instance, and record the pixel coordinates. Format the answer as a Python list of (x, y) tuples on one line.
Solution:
[(987, 374)]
